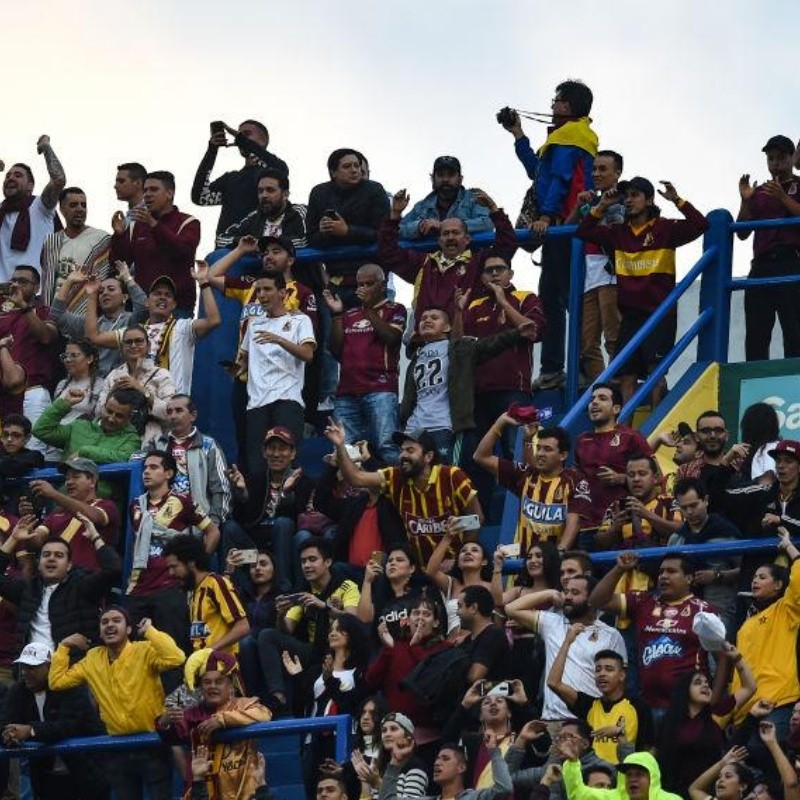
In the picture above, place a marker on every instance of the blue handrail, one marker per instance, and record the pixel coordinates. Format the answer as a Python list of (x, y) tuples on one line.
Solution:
[(341, 724)]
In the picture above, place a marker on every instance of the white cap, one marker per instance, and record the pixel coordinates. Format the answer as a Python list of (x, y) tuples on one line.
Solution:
[(710, 630), (34, 654)]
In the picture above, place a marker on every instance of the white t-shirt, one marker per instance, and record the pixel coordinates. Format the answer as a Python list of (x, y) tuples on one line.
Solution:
[(596, 273), (762, 462), (181, 351), (41, 227), (431, 369), (273, 373), (41, 632), (579, 669)]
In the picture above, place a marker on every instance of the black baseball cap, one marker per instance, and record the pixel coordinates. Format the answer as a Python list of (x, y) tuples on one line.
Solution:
[(781, 143), (639, 184), (418, 435), (685, 429), (447, 164), (284, 242)]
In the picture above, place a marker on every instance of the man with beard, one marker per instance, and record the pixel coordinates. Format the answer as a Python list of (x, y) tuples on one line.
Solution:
[(436, 276), (668, 646), (232, 766), (602, 456), (448, 200), (684, 440), (113, 293), (486, 645), (25, 220), (75, 246), (235, 191), (425, 493), (34, 713), (548, 510), (593, 637), (217, 616), (274, 215), (125, 679), (161, 240)]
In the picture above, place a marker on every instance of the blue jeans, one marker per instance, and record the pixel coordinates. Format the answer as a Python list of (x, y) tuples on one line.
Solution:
[(329, 366), (372, 417)]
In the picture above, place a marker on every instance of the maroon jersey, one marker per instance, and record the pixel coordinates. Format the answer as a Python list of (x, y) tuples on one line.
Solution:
[(511, 369), (36, 358), (368, 364), (668, 647), (173, 514), (607, 449), (65, 524), (764, 206)]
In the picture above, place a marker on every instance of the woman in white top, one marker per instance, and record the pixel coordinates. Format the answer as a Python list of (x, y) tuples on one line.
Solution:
[(760, 432), (138, 372)]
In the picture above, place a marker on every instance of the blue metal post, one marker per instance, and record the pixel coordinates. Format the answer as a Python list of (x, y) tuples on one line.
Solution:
[(712, 343), (577, 269)]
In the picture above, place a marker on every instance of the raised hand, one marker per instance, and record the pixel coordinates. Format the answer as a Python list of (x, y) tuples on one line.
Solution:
[(123, 271), (746, 191), (334, 432), (200, 271), (42, 143), (291, 663), (76, 640), (247, 244), (118, 222), (236, 478), (400, 201), (483, 199), (334, 302), (627, 561), (669, 192)]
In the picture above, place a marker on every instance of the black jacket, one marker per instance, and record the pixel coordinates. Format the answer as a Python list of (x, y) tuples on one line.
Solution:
[(236, 192), (66, 714), (363, 208), (290, 504), (75, 603), (293, 226)]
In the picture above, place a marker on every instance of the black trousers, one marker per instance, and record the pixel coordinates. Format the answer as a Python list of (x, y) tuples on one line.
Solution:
[(763, 305)]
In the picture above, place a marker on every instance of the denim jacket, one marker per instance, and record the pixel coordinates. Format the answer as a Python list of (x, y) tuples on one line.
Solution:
[(464, 207)]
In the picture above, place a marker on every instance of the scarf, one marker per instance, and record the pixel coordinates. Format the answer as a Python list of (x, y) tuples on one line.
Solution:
[(148, 526), (21, 234), (573, 134), (160, 348), (444, 263)]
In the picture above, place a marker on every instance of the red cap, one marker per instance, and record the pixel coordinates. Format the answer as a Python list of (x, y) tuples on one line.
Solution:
[(284, 434), (789, 446)]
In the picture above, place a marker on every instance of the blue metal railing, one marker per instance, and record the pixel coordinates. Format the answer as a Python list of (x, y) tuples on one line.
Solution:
[(341, 724)]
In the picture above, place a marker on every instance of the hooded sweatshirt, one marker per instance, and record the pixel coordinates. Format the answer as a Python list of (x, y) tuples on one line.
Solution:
[(578, 790)]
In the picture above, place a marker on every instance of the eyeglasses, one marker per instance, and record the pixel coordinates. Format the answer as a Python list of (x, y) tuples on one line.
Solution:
[(718, 430), (495, 268), (70, 356), (133, 342)]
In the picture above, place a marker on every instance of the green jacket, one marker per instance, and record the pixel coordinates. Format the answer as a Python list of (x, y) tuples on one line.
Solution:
[(578, 790), (85, 438), (465, 354)]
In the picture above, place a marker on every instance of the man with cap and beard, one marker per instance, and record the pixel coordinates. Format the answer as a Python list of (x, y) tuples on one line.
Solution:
[(231, 763), (644, 247), (34, 713), (448, 200)]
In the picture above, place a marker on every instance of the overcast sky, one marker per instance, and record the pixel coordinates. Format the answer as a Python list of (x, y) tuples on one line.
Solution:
[(687, 91)]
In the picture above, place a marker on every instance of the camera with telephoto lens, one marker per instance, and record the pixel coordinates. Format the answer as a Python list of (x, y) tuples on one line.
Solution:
[(507, 117)]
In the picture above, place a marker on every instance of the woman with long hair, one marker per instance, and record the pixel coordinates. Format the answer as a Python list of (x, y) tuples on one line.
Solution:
[(732, 779), (388, 591), (335, 687), (138, 372), (761, 431), (541, 571), (81, 364), (690, 739)]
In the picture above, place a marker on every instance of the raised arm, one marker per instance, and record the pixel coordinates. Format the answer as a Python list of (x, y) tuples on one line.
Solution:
[(212, 319), (354, 476), (700, 788), (108, 339), (555, 680), (58, 180), (766, 730), (432, 568), (603, 596), (218, 271)]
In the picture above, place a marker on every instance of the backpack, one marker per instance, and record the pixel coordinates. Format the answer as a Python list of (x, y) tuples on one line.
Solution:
[(439, 680)]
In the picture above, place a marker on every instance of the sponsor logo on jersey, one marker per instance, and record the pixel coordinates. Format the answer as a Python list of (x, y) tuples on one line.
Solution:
[(661, 648)]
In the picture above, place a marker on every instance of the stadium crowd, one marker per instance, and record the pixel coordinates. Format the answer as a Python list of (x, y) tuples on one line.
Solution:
[(256, 592)]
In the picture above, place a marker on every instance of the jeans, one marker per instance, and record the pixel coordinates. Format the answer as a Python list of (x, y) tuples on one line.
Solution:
[(35, 401), (554, 294), (252, 674), (373, 417), (130, 772), (600, 318)]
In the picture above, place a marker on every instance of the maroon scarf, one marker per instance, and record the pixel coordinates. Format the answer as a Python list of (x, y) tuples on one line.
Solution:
[(21, 235)]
